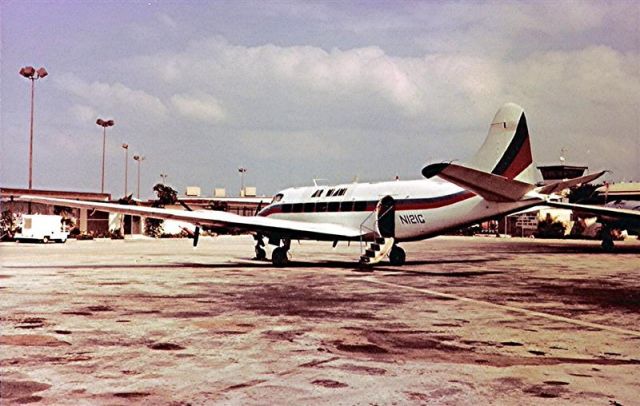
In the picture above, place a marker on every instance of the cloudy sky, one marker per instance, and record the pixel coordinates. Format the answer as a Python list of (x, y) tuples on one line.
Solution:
[(302, 90)]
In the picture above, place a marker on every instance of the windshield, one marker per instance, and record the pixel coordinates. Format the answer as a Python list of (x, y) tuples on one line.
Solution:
[(277, 198)]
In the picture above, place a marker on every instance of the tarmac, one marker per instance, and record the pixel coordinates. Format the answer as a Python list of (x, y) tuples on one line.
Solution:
[(466, 321)]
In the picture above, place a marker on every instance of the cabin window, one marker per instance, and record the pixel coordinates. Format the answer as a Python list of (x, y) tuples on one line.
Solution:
[(333, 206), (317, 193), (329, 192), (360, 206), (308, 207), (321, 207), (346, 206), (286, 208), (296, 208)]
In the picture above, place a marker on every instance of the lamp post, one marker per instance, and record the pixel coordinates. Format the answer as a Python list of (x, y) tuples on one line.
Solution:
[(104, 124), (139, 159), (32, 74), (126, 167), (242, 171), (164, 177)]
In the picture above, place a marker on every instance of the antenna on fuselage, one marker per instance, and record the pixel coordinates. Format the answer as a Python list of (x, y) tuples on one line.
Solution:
[(315, 181)]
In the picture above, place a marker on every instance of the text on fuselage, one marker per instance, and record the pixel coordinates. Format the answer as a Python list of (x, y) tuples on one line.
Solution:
[(411, 219)]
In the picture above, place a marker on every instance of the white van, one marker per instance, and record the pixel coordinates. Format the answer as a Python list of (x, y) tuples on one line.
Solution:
[(40, 227)]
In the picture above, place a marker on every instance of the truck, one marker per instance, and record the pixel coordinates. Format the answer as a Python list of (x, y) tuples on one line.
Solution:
[(43, 228)]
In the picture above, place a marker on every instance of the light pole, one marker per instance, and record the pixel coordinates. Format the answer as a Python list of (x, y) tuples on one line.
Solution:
[(164, 177), (242, 171), (126, 167), (32, 74), (104, 124), (139, 159)]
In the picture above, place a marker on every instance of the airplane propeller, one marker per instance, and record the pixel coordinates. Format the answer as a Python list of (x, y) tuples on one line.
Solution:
[(196, 236)]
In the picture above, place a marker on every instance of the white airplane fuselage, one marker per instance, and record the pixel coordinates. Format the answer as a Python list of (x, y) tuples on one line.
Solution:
[(423, 208)]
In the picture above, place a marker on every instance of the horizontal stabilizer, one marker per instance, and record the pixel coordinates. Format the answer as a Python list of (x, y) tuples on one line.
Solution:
[(491, 187), (565, 184)]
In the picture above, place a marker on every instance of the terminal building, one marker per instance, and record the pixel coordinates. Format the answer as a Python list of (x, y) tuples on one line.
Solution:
[(98, 223), (87, 221)]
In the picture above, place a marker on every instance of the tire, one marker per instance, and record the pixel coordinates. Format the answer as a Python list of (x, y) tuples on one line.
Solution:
[(45, 239), (397, 256), (607, 244), (279, 257)]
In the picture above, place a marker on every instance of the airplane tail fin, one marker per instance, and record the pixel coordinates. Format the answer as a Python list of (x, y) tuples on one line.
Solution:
[(507, 149), (503, 169)]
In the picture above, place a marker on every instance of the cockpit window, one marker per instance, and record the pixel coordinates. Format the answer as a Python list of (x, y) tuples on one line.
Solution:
[(277, 198)]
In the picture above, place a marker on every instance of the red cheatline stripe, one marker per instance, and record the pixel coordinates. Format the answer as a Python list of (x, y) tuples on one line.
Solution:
[(409, 205)]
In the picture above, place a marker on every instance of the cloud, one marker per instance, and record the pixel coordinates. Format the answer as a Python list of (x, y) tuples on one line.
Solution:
[(199, 106), (167, 20), (113, 98), (306, 144), (82, 113)]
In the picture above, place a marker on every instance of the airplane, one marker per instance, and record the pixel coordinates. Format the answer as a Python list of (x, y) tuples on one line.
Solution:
[(499, 180), (617, 215)]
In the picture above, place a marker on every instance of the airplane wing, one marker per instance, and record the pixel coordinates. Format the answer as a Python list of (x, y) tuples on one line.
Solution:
[(285, 228), (607, 214)]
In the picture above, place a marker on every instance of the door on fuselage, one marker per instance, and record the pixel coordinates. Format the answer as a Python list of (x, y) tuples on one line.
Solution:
[(386, 217)]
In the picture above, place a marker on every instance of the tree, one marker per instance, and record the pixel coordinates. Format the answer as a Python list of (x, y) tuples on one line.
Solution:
[(166, 195), (8, 225)]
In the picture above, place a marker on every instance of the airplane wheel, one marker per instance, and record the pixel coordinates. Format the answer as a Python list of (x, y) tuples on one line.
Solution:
[(607, 244), (397, 256), (279, 257), (45, 239), (260, 254)]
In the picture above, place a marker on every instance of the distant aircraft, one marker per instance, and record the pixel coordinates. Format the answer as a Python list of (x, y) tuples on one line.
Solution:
[(499, 180), (618, 215)]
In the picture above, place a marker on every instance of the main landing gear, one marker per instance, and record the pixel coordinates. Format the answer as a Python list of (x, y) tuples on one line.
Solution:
[(607, 239), (397, 256)]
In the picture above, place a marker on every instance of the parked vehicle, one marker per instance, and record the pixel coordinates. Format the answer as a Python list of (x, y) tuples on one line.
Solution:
[(43, 228)]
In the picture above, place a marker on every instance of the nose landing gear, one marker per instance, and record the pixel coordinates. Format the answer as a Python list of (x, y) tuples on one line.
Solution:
[(280, 255), (261, 254)]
